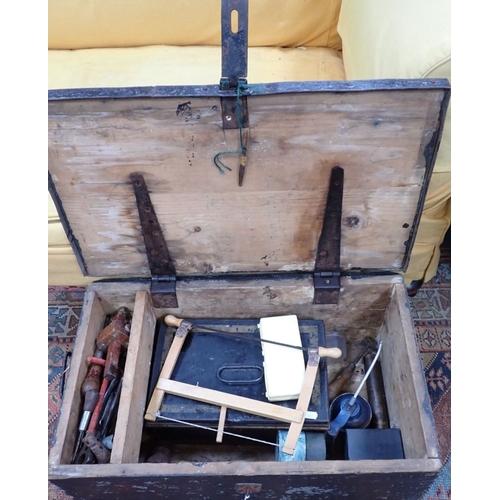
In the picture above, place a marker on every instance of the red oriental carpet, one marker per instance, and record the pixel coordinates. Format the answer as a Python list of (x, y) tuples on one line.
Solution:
[(431, 311)]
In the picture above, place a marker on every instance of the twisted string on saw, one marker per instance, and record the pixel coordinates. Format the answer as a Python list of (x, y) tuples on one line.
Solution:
[(242, 150)]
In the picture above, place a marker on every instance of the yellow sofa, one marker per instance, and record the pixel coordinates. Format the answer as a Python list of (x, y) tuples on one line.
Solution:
[(122, 43)]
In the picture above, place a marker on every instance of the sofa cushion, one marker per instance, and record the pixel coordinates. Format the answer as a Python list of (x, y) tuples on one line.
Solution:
[(171, 65), (82, 24)]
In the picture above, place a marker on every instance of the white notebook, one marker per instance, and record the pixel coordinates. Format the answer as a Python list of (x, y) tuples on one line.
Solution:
[(284, 368)]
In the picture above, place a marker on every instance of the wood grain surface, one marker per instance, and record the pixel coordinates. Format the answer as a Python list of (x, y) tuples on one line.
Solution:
[(272, 222)]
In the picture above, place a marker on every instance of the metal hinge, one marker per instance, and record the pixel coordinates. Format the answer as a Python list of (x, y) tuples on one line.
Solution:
[(161, 266), (326, 287), (326, 274), (163, 291)]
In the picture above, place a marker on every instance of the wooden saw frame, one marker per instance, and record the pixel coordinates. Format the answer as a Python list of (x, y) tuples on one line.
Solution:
[(294, 416)]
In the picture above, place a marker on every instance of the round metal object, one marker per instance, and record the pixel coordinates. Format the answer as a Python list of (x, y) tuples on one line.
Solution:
[(361, 414), (335, 339)]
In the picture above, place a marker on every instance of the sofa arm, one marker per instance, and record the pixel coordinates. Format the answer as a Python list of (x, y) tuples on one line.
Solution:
[(394, 39), (399, 39), (407, 39)]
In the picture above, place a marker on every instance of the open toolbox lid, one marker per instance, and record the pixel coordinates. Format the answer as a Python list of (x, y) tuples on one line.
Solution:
[(335, 178), (384, 134)]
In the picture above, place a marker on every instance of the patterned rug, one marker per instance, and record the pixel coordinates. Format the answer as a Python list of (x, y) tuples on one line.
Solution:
[(65, 307), (431, 311)]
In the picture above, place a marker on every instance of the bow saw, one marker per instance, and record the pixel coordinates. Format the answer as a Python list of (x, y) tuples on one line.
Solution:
[(294, 416)]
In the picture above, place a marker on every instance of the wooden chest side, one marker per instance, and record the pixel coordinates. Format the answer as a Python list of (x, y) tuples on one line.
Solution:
[(386, 316)]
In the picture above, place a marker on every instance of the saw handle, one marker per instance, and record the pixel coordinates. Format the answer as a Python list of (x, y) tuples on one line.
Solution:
[(330, 352), (172, 320)]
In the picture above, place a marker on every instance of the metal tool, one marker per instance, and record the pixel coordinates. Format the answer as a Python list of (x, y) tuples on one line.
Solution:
[(336, 339), (95, 448), (84, 455), (111, 408), (359, 415), (110, 372), (95, 440), (110, 340), (90, 393), (101, 453), (343, 376), (324, 352), (376, 393), (350, 406), (294, 417), (241, 170), (117, 330)]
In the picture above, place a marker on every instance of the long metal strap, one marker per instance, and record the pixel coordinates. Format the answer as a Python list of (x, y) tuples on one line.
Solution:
[(327, 268), (161, 265), (234, 43)]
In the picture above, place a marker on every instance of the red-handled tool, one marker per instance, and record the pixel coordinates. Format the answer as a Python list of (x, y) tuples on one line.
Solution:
[(112, 339), (90, 393), (111, 369)]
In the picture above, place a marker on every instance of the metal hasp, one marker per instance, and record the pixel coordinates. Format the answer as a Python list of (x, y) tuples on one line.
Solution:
[(234, 43), (327, 270), (163, 276)]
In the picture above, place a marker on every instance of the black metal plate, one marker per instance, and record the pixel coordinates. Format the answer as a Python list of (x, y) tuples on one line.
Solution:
[(204, 354)]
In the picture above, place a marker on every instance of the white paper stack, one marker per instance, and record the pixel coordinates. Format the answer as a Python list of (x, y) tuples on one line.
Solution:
[(284, 368)]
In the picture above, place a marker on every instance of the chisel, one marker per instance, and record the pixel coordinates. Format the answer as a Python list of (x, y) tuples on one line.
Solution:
[(376, 393), (344, 375), (324, 352)]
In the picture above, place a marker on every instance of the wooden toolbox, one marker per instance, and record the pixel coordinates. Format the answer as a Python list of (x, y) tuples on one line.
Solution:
[(324, 218)]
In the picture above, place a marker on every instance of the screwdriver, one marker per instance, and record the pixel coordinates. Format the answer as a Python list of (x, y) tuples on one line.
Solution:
[(111, 369), (90, 392), (344, 375)]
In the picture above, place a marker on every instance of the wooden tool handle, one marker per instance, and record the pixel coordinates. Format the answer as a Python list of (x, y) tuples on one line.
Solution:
[(172, 320), (329, 352), (335, 387)]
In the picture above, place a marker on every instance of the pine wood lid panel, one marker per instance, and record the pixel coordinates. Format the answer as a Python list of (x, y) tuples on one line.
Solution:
[(384, 140)]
